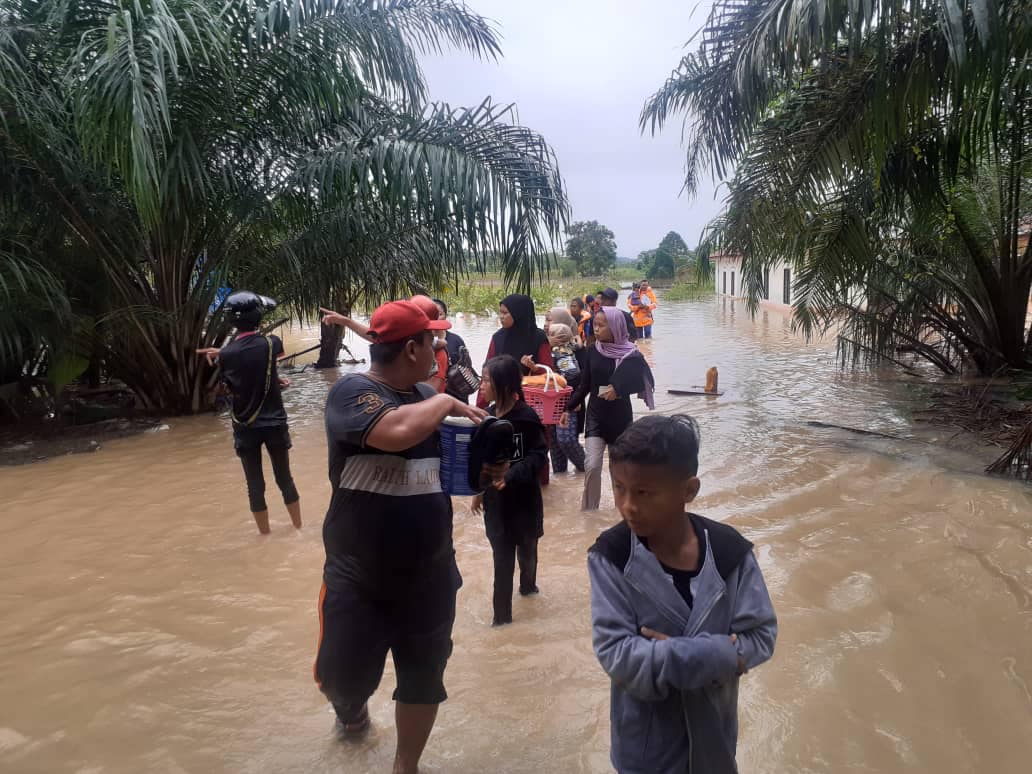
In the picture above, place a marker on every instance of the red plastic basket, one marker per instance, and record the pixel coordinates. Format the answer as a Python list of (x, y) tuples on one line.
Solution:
[(548, 404)]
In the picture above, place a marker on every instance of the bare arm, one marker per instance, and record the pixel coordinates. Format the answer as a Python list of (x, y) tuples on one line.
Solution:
[(211, 354), (336, 318), (404, 427)]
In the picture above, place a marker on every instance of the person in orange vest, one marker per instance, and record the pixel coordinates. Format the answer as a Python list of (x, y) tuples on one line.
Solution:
[(646, 290), (582, 317), (642, 302)]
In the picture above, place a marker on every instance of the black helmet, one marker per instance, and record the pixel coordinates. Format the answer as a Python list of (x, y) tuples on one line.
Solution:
[(245, 305)]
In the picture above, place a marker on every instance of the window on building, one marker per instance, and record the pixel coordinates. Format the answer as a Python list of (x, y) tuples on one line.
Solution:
[(732, 283), (723, 283), (765, 290), (787, 287)]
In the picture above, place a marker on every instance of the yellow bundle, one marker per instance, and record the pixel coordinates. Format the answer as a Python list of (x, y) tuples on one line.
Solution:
[(551, 380)]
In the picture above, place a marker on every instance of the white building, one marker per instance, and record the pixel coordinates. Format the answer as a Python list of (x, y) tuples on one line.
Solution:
[(777, 286)]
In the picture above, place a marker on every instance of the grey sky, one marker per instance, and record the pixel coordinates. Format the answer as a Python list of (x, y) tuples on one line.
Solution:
[(579, 72)]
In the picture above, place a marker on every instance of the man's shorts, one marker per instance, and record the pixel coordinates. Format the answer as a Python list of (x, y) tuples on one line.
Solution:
[(247, 438), (356, 631)]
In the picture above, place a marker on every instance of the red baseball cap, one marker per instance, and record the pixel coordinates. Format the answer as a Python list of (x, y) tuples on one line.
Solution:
[(427, 305), (398, 320)]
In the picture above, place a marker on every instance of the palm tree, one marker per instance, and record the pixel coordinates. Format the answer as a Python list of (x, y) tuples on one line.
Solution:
[(885, 148), (181, 146)]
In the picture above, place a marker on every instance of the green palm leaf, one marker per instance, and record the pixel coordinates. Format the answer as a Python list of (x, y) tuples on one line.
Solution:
[(173, 147), (882, 148)]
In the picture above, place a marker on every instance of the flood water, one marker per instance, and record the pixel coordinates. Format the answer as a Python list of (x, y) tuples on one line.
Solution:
[(148, 628)]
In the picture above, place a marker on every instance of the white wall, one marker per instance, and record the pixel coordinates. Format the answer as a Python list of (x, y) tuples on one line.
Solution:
[(726, 266), (729, 276)]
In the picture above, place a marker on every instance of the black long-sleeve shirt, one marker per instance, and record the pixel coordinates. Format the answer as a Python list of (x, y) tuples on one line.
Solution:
[(607, 419)]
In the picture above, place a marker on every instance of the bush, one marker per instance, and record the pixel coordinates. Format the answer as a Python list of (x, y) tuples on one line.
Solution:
[(567, 268)]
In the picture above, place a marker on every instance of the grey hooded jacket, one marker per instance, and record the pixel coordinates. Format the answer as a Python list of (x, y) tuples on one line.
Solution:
[(674, 702)]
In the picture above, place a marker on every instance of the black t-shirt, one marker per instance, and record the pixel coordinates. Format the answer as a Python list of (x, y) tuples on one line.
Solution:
[(389, 525), (607, 419), (683, 578), (245, 365), (632, 329)]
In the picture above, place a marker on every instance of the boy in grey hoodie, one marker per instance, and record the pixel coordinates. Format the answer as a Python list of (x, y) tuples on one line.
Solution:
[(679, 610)]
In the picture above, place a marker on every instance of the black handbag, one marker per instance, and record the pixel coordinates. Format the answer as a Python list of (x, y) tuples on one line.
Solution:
[(462, 380)]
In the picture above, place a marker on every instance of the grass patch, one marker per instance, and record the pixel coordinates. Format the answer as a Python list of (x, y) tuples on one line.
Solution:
[(625, 273), (482, 294), (484, 297), (688, 291)]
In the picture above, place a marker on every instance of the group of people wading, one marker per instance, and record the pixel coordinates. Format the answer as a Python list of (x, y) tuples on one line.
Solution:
[(679, 607)]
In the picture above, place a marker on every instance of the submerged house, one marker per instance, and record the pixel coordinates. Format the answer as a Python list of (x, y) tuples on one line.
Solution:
[(776, 292)]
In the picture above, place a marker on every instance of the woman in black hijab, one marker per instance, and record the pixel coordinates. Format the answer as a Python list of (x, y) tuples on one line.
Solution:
[(519, 335)]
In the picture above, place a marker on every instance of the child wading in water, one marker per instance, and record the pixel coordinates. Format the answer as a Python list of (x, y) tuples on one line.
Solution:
[(679, 609), (513, 511)]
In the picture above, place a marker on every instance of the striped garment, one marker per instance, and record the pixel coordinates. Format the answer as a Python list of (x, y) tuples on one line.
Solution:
[(389, 525)]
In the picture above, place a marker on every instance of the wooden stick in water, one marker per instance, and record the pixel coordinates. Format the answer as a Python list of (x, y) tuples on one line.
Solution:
[(302, 352)]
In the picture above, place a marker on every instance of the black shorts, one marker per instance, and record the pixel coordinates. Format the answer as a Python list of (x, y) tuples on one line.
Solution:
[(247, 438), (356, 631)]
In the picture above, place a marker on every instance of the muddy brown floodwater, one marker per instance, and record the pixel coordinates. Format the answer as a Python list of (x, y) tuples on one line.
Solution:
[(147, 627)]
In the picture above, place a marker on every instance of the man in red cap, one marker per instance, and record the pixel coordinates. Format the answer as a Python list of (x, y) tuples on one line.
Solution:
[(390, 579)]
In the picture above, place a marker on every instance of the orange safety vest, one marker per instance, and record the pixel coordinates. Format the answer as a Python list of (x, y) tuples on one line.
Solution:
[(642, 313)]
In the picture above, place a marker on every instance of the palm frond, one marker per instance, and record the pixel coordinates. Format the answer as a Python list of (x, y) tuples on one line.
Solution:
[(857, 137), (494, 181)]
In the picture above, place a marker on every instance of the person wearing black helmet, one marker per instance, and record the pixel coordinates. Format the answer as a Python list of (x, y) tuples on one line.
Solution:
[(248, 365)]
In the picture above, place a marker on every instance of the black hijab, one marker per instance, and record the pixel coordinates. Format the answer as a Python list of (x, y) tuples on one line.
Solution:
[(524, 337)]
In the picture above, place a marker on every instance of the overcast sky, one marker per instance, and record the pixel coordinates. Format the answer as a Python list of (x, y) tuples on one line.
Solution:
[(579, 72)]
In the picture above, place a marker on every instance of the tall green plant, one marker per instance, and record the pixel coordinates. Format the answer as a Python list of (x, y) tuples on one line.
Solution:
[(186, 145), (883, 148)]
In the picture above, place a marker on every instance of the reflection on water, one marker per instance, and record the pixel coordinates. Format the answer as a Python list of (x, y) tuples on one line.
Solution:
[(148, 628)]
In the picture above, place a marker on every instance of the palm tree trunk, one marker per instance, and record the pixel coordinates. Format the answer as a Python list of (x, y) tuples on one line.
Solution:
[(331, 337)]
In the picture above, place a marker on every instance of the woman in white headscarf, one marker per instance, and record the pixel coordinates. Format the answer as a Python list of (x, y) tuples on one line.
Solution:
[(568, 358)]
